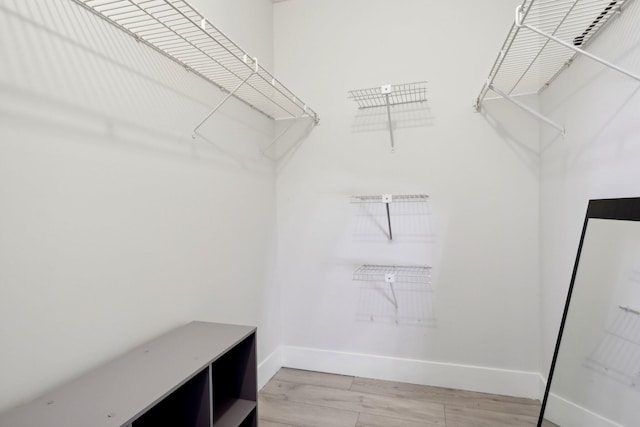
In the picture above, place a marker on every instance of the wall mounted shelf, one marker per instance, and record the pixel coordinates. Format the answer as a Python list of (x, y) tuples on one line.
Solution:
[(387, 199), (178, 31), (544, 39), (389, 96), (392, 274)]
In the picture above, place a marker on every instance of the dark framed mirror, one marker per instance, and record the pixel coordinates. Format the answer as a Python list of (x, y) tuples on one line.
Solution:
[(594, 379)]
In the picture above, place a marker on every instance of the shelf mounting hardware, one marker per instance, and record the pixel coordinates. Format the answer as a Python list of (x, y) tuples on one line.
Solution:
[(387, 199), (390, 278)]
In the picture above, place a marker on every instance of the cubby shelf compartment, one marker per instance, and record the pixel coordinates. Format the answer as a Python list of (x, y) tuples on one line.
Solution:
[(389, 96), (198, 375), (618, 352), (387, 199), (177, 30), (544, 39), (394, 274)]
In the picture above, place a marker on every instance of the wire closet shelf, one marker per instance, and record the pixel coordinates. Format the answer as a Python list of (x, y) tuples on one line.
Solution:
[(177, 30), (382, 96), (545, 38), (393, 273), (389, 96)]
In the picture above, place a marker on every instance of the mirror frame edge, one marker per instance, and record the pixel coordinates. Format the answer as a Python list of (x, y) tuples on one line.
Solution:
[(625, 209)]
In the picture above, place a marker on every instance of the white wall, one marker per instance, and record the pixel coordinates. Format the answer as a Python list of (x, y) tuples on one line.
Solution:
[(598, 157), (114, 224), (480, 170)]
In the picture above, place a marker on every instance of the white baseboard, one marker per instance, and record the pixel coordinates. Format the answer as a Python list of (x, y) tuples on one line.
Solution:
[(542, 387), (463, 377), (565, 413), (269, 366)]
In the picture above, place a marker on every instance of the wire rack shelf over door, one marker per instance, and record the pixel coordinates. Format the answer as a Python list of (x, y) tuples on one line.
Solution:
[(177, 30), (545, 38)]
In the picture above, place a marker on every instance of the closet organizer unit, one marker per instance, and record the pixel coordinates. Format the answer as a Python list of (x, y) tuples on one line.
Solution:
[(178, 31), (545, 38), (199, 375)]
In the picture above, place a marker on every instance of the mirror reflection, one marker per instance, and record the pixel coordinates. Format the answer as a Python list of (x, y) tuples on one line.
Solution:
[(596, 380)]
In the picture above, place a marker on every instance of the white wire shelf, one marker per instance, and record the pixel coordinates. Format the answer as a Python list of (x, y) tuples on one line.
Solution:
[(394, 274), (387, 199), (178, 31), (401, 198), (546, 37), (389, 96), (406, 93), (618, 353)]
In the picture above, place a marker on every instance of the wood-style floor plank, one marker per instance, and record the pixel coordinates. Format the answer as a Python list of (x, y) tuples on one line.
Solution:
[(368, 420), (295, 398), (458, 416), (342, 382), (388, 406), (450, 397), (265, 423), (299, 414)]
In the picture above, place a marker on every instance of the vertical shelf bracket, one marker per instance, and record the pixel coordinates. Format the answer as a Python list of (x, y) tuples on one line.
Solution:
[(386, 90), (387, 199)]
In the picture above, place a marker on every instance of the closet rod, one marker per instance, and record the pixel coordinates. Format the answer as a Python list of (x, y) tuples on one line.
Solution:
[(527, 109)]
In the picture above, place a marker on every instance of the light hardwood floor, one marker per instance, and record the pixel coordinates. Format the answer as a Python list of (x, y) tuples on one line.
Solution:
[(312, 399)]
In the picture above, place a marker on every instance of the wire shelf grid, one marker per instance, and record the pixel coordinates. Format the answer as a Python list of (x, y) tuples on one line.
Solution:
[(178, 31), (401, 274), (618, 352), (528, 62), (415, 198), (405, 93)]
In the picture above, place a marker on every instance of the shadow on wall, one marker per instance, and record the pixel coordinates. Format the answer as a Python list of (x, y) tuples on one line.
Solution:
[(66, 67), (402, 116), (527, 153)]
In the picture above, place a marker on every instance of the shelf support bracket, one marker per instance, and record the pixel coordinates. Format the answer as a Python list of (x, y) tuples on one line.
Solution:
[(520, 24), (390, 278), (386, 90), (387, 199), (226, 98), (527, 109), (293, 123)]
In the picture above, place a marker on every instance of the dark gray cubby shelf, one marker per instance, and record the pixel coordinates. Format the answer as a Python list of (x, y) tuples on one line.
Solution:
[(198, 375)]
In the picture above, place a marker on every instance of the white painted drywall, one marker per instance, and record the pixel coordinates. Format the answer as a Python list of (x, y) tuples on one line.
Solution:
[(598, 158), (114, 224), (480, 170)]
